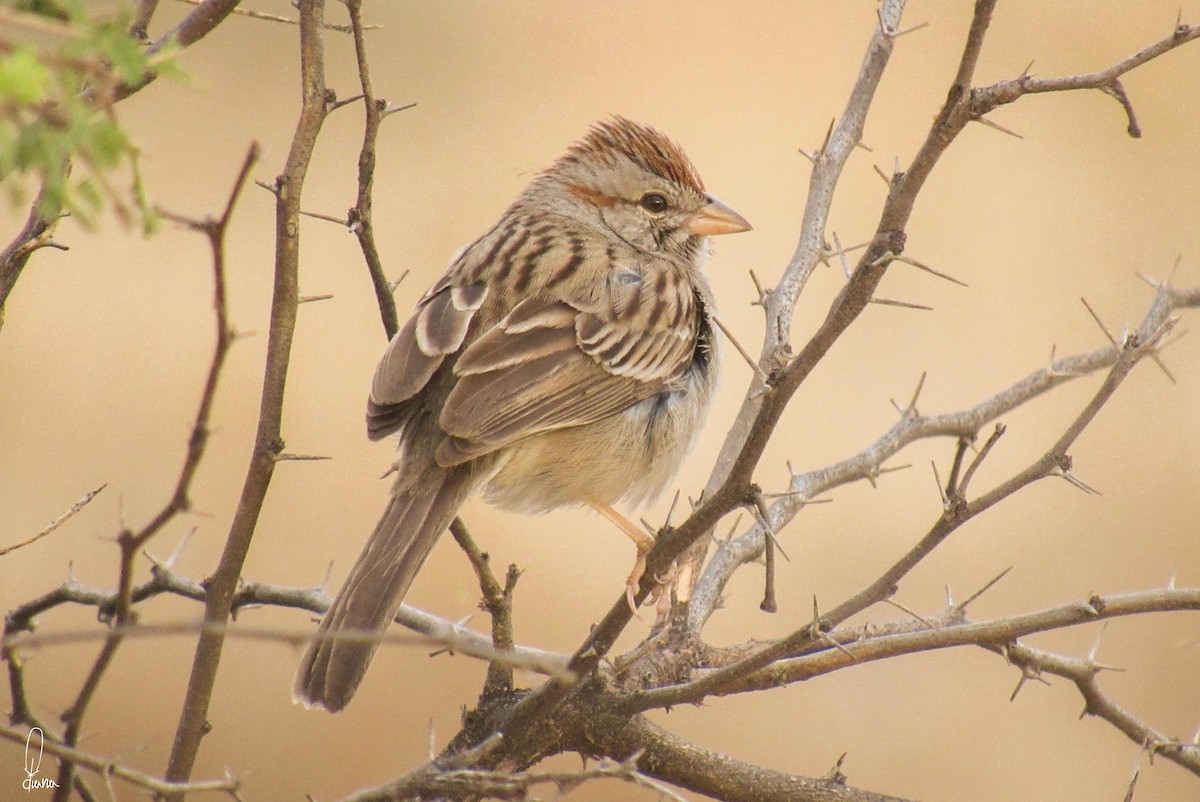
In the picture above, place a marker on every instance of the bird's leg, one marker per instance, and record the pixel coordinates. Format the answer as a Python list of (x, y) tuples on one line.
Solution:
[(640, 539)]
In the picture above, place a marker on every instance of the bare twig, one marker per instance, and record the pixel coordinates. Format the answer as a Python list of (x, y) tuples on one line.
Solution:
[(268, 439), (57, 522), (130, 542), (361, 219)]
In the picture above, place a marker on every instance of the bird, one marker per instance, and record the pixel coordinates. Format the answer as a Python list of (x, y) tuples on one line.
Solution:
[(567, 357)]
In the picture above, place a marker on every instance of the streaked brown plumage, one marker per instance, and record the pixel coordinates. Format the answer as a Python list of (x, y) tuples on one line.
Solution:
[(566, 357)]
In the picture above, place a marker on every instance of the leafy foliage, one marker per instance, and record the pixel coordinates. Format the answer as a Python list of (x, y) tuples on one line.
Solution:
[(60, 75)]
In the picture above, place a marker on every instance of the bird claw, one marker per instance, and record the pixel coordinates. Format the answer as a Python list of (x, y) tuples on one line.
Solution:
[(659, 596)]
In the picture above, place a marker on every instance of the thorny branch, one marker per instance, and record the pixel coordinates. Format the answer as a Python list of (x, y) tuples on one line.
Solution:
[(909, 428), (268, 441), (130, 542), (361, 218)]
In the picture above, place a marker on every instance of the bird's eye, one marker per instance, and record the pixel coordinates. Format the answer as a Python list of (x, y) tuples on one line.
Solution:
[(654, 203)]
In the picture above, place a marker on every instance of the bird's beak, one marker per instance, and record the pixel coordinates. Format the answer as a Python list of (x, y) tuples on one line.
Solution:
[(716, 218)]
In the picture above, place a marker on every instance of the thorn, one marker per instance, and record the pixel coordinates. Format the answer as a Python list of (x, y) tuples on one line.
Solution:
[(915, 615), (759, 511), (815, 626), (337, 104), (394, 284), (941, 491), (1103, 328), (828, 639), (963, 606), (812, 157), (994, 438), (1162, 366), (286, 457), (908, 260), (883, 258), (997, 126), (324, 586), (912, 404), (1154, 283), (390, 109), (762, 377), (728, 537), (1171, 581), (828, 135), (272, 188), (882, 175), (1025, 73), (762, 294), (326, 217), (1079, 483), (864, 146), (173, 558), (913, 29), (671, 511), (841, 252), (902, 304), (1091, 658), (949, 598), (1028, 673), (308, 299)]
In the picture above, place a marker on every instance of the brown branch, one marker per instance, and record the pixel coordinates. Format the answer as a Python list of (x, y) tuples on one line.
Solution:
[(57, 522), (670, 758), (37, 233), (140, 27), (497, 600), (191, 29), (131, 543), (360, 217), (435, 780), (1083, 671), (985, 99), (268, 441)]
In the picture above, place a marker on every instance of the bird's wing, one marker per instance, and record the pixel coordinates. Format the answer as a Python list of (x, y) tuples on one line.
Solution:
[(436, 330), (555, 364)]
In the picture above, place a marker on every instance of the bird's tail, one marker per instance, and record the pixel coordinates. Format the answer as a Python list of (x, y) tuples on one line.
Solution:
[(421, 508)]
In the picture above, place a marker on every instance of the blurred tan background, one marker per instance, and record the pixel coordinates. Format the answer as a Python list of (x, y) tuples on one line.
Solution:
[(105, 348)]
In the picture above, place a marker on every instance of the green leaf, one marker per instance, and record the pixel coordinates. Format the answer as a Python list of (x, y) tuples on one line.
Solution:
[(23, 78)]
